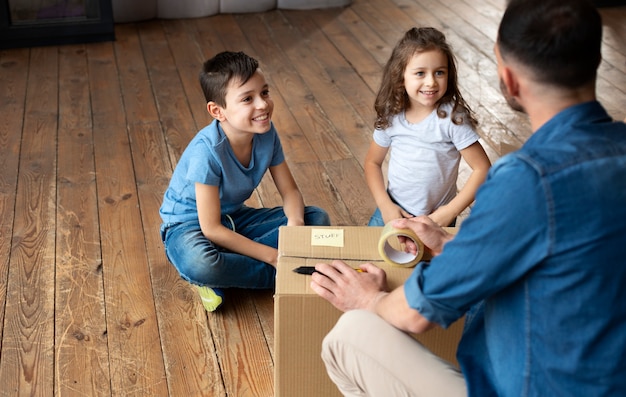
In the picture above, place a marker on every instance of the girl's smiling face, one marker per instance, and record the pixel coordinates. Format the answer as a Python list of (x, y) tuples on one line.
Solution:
[(426, 79)]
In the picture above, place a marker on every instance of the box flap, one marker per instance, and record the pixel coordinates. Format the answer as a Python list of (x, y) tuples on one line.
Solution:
[(329, 242)]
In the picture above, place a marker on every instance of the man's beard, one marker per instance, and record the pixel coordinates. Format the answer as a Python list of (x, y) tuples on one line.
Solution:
[(509, 99)]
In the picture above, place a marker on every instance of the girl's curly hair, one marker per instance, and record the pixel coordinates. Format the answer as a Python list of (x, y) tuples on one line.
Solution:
[(392, 97)]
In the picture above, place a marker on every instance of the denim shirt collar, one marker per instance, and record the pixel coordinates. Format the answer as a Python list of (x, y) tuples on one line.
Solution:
[(586, 112)]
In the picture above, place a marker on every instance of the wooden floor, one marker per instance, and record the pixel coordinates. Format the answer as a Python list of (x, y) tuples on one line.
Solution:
[(88, 139)]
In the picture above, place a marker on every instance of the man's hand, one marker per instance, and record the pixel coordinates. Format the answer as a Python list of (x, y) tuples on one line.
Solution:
[(430, 233), (348, 289)]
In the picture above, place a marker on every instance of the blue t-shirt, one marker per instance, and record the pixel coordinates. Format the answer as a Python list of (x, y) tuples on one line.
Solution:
[(209, 159), (542, 254)]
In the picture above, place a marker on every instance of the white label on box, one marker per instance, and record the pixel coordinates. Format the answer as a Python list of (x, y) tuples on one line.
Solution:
[(327, 237)]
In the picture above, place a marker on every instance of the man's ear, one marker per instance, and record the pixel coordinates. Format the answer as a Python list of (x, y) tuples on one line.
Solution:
[(511, 81), (215, 110)]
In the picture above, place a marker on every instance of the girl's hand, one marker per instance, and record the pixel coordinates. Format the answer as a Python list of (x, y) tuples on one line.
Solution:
[(392, 212)]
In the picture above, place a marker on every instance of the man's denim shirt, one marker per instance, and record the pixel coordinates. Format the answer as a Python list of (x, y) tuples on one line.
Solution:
[(541, 263)]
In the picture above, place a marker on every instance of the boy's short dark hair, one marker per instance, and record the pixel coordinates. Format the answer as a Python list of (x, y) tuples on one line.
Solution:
[(218, 72), (560, 41)]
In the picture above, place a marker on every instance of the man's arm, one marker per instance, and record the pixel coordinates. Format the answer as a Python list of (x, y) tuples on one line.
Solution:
[(394, 308), (347, 289)]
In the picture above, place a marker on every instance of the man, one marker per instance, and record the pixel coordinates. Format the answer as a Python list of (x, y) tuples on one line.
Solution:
[(538, 268)]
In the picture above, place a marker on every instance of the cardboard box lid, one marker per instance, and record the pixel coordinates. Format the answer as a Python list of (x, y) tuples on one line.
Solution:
[(331, 242)]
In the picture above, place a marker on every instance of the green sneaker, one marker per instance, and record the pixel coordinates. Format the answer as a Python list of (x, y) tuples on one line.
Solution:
[(211, 297)]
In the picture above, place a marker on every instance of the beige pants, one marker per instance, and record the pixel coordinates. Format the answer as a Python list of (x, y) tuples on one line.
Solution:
[(366, 356)]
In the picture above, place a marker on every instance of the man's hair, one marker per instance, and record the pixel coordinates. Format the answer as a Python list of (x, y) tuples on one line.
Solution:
[(559, 40), (223, 68)]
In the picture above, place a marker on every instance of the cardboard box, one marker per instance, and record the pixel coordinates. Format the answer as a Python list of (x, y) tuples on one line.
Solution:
[(302, 319)]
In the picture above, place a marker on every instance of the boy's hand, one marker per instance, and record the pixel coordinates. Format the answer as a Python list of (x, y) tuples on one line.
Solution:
[(295, 222)]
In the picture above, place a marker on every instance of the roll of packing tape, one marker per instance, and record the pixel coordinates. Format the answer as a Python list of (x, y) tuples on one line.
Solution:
[(394, 256)]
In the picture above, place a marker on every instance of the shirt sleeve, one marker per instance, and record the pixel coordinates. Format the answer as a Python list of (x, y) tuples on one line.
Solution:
[(278, 155), (203, 167), (506, 235), (381, 138), (462, 136)]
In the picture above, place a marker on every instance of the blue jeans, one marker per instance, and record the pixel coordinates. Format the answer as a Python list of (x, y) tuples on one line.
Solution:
[(201, 262), (377, 220)]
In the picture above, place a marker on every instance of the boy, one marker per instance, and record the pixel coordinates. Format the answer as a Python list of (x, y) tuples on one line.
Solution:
[(210, 236)]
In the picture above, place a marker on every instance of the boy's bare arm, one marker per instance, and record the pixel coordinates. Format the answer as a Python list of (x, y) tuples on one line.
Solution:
[(293, 203), (209, 215)]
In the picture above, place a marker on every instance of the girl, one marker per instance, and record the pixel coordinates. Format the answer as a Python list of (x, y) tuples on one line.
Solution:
[(422, 117)]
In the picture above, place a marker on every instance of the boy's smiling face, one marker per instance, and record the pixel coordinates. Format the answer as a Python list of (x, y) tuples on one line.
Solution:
[(248, 108)]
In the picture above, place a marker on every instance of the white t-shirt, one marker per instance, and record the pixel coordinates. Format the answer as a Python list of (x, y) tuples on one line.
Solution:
[(424, 159)]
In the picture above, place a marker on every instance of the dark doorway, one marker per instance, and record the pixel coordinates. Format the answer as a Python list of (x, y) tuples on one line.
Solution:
[(29, 23)]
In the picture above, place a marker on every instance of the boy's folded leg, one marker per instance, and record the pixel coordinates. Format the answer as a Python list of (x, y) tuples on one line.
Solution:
[(211, 297), (315, 216)]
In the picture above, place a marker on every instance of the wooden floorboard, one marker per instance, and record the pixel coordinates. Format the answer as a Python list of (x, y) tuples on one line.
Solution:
[(90, 135), (80, 320), (28, 328)]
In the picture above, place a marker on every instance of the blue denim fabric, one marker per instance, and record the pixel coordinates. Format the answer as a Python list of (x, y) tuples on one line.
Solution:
[(201, 262), (544, 249), (377, 219)]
